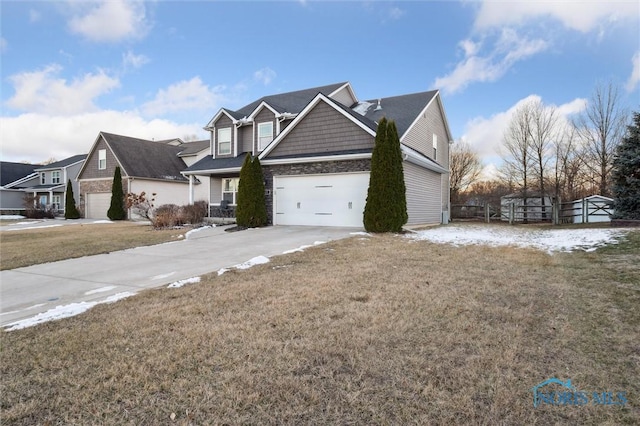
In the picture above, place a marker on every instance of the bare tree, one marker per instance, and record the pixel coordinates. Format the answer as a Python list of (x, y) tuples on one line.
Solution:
[(601, 127), (543, 130), (518, 161), (465, 168)]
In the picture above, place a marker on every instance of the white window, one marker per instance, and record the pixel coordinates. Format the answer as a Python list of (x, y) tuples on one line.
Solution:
[(224, 141), (43, 178), (55, 203), (230, 189), (55, 176), (435, 146), (102, 159), (265, 134)]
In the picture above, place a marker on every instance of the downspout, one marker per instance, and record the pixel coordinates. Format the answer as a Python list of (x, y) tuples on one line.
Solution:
[(191, 189)]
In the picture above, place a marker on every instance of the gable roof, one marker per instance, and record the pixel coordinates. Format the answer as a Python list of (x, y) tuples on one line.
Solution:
[(13, 172), (63, 163), (194, 147), (143, 158)]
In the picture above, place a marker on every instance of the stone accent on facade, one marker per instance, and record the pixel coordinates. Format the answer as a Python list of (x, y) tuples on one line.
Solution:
[(96, 186), (322, 167)]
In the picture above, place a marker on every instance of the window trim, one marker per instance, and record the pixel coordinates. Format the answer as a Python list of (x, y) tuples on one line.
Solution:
[(43, 178), (435, 146), (102, 159), (56, 202), (55, 177), (226, 129), (234, 192), (262, 125)]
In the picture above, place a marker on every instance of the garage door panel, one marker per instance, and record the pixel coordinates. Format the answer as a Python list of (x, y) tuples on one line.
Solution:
[(97, 205), (321, 200)]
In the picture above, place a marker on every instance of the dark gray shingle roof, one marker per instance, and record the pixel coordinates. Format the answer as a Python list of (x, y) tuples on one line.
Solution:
[(292, 102), (402, 109), (209, 163), (147, 159), (11, 172), (191, 148), (64, 163)]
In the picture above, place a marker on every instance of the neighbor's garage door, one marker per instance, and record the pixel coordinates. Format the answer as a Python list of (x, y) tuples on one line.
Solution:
[(97, 205), (320, 200)]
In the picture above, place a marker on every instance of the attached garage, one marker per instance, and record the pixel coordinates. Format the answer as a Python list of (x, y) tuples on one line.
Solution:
[(97, 205), (320, 200)]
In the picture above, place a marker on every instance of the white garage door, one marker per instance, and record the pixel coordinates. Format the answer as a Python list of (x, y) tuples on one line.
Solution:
[(320, 200), (98, 205)]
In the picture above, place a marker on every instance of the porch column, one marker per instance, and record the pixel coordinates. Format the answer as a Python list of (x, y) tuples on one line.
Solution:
[(190, 189)]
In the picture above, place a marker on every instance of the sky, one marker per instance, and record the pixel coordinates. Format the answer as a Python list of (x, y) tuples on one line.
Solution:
[(162, 69)]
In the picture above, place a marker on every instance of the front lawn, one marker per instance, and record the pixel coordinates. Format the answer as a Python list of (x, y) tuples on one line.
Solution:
[(369, 330)]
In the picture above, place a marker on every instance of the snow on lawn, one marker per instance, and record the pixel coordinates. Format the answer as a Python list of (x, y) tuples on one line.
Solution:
[(64, 311), (549, 240), (258, 260), (195, 230), (303, 248), (182, 283), (11, 217)]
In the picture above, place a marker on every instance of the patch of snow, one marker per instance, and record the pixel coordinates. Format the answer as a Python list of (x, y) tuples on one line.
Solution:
[(35, 227), (303, 248), (258, 260), (181, 283), (193, 231), (102, 221), (100, 290), (549, 240), (64, 311), (363, 107), (11, 217), (366, 234)]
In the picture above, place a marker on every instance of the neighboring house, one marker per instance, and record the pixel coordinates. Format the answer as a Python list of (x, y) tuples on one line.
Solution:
[(315, 147), (146, 166), (14, 178), (51, 187)]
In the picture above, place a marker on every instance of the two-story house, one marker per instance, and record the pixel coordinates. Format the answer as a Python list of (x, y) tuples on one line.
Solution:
[(315, 147), (51, 188), (14, 179)]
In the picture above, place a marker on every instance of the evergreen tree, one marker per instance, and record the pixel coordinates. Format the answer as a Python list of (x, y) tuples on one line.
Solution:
[(251, 210), (626, 174), (386, 206), (116, 209), (70, 209)]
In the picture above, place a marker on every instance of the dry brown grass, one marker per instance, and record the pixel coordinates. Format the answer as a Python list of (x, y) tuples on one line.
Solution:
[(35, 246), (373, 330)]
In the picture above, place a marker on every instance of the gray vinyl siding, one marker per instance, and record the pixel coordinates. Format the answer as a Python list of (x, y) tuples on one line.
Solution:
[(344, 97), (223, 122), (245, 139), (263, 116), (216, 190), (420, 138), (323, 130), (423, 194), (91, 170)]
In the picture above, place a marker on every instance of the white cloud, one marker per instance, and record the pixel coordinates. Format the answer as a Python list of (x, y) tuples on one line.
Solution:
[(485, 135), (186, 95), (44, 92), (396, 13), (131, 60), (3, 45), (265, 75), (583, 16), (634, 78), (35, 137), (109, 20), (508, 49), (34, 16)]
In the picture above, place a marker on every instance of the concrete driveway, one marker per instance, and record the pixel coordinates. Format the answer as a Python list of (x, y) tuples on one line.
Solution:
[(26, 292)]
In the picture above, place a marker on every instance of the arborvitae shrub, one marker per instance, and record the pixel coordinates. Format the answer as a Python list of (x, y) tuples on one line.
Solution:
[(116, 208), (70, 209)]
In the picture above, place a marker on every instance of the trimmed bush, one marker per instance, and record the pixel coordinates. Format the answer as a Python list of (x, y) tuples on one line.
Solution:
[(251, 210), (194, 213), (386, 206), (167, 216), (70, 209), (116, 209)]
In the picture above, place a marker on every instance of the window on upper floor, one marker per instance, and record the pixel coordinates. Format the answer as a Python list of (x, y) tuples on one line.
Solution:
[(224, 141), (435, 146), (230, 189), (55, 176), (265, 134), (102, 159), (43, 178)]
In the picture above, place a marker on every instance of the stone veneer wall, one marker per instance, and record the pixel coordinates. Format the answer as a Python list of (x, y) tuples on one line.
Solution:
[(307, 169), (96, 186)]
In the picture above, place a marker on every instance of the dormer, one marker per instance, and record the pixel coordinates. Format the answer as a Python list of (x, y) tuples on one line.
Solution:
[(266, 126), (345, 95), (223, 134)]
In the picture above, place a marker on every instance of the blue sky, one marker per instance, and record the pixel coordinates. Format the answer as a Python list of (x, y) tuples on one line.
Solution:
[(162, 69)]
